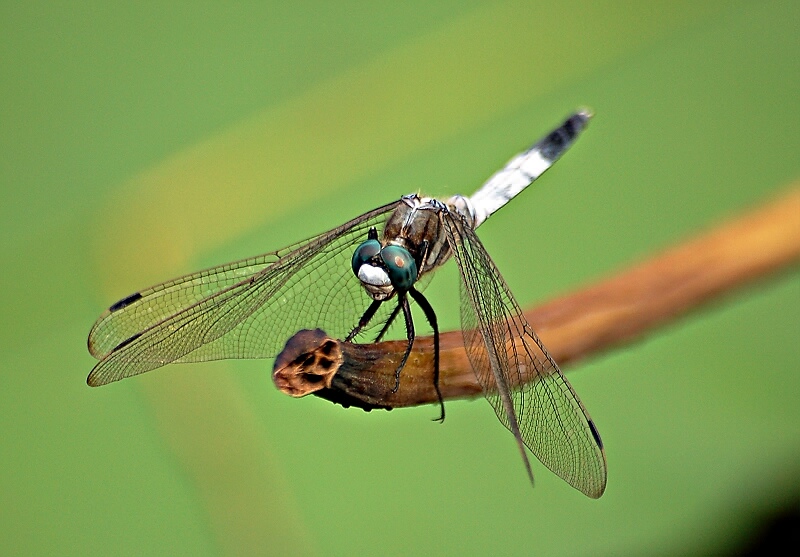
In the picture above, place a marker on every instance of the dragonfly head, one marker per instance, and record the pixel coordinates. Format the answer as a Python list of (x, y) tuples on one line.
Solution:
[(383, 269)]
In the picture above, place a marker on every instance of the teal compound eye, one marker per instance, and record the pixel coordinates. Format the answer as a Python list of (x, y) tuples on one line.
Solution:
[(401, 267), (366, 251)]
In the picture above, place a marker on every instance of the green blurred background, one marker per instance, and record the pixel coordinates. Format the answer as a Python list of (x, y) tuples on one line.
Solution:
[(140, 143)]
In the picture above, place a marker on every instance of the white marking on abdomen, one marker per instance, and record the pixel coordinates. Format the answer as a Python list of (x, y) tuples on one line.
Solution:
[(506, 183)]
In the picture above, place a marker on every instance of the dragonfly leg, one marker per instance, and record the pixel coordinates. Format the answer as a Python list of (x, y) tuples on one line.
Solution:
[(365, 319), (430, 315), (388, 323), (402, 302)]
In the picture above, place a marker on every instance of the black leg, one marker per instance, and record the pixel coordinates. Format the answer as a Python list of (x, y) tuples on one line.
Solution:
[(402, 301), (430, 315), (388, 323), (369, 314)]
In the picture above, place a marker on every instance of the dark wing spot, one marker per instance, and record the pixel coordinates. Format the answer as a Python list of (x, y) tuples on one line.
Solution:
[(595, 435), (125, 302), (126, 342)]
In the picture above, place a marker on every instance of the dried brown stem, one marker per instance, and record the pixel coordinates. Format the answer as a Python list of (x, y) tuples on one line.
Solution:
[(586, 322)]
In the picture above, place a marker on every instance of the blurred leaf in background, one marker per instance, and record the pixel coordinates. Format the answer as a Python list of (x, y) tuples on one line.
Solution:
[(141, 142)]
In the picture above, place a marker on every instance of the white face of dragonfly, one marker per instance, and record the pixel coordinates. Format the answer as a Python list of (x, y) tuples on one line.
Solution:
[(376, 281), (383, 270)]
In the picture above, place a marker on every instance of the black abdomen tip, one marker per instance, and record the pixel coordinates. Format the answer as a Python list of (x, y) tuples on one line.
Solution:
[(560, 139)]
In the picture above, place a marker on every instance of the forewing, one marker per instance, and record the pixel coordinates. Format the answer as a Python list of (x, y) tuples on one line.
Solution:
[(246, 309), (146, 308), (519, 378)]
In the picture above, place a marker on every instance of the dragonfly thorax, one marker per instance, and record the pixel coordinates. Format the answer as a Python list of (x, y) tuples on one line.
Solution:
[(413, 244)]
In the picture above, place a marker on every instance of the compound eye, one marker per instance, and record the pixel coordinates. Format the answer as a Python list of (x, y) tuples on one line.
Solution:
[(401, 267), (364, 253)]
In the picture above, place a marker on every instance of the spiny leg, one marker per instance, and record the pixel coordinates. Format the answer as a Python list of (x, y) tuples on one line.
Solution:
[(430, 315), (420, 264), (402, 301), (388, 323), (365, 319)]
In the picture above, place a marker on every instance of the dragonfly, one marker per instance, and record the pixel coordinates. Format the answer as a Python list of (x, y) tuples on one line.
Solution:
[(354, 282)]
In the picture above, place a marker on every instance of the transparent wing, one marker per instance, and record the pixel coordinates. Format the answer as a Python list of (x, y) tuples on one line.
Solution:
[(528, 392), (245, 309)]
